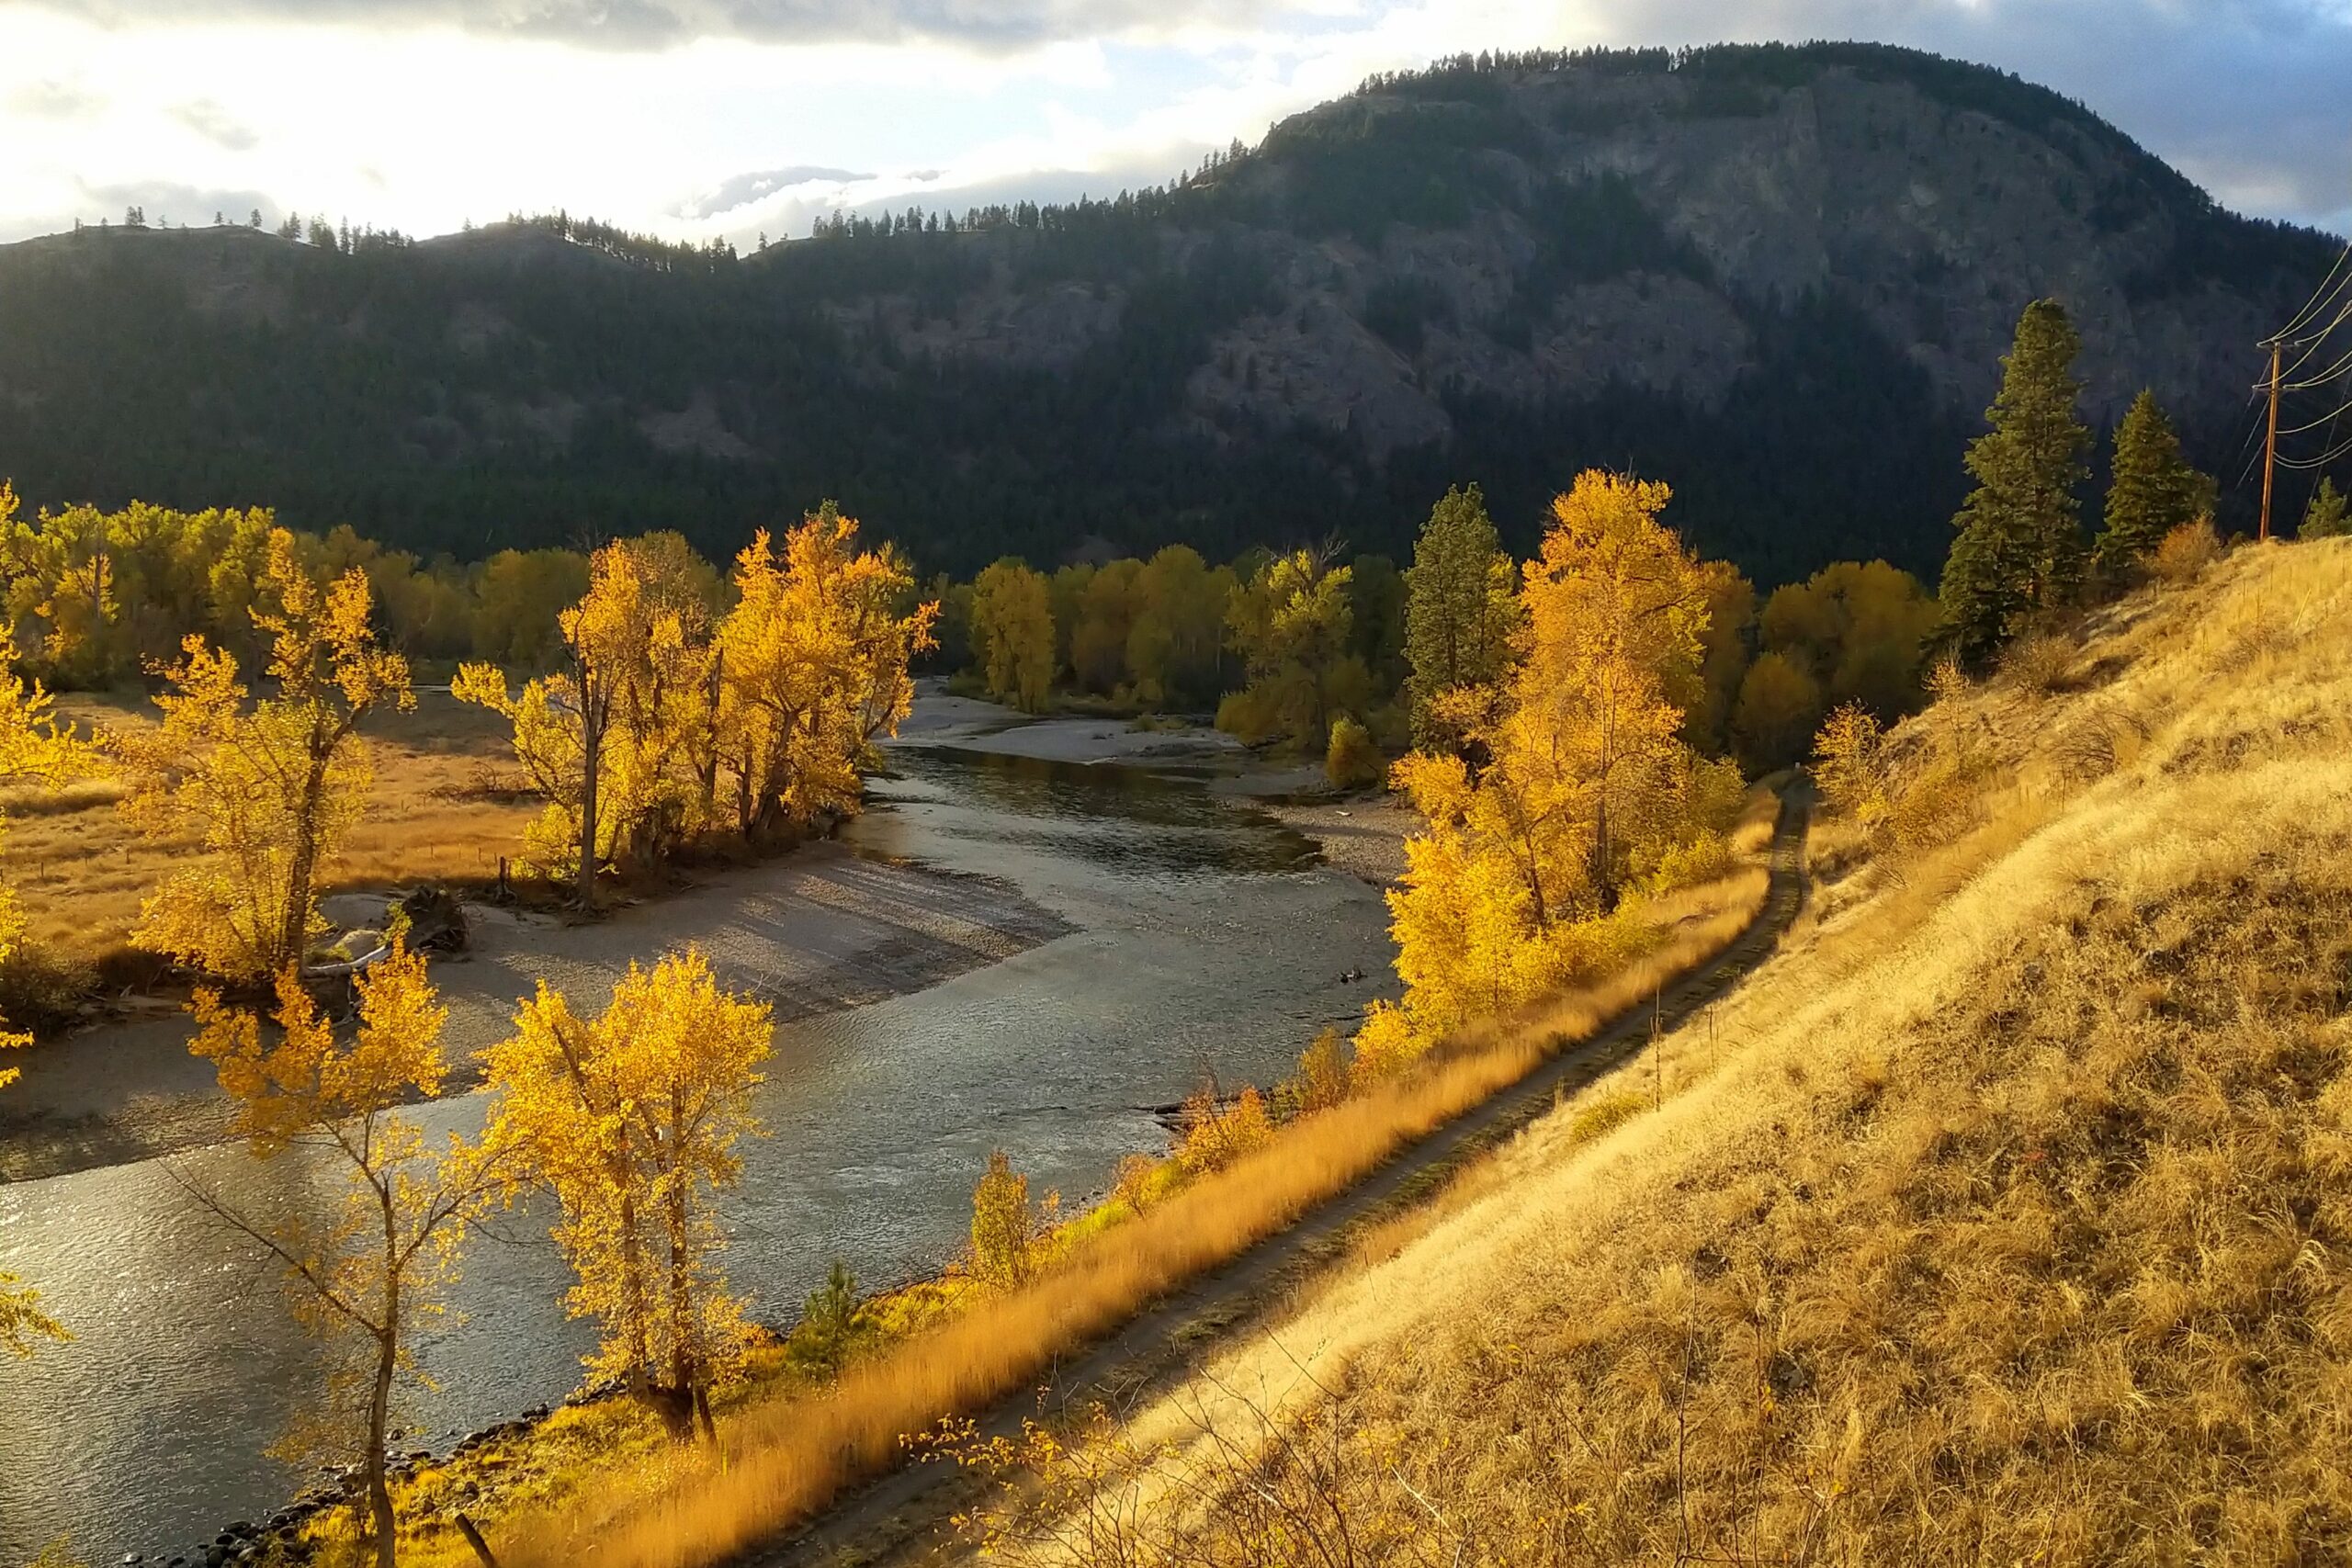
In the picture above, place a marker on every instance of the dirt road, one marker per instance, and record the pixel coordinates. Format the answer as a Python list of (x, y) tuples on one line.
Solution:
[(902, 1519)]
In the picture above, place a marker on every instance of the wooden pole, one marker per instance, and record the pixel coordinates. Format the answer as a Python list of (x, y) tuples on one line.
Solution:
[(2270, 447)]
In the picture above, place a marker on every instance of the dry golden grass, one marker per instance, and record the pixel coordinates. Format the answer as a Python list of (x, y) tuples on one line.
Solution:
[(2006, 1217), (82, 869), (786, 1459)]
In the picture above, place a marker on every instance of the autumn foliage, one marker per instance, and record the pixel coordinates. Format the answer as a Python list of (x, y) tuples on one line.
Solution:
[(1517, 882), (270, 784), (632, 1121), (670, 724)]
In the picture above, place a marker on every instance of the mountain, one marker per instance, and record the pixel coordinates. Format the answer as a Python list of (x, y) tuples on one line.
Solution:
[(1779, 276)]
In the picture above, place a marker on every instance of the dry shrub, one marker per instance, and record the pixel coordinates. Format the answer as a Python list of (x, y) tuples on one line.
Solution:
[(2183, 553), (2037, 662)]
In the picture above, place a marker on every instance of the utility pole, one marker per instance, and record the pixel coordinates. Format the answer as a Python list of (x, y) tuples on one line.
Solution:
[(2270, 447)]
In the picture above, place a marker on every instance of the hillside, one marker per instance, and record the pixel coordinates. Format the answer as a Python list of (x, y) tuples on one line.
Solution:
[(1784, 275), (2003, 1216)]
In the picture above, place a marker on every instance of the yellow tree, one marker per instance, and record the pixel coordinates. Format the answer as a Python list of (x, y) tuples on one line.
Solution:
[(1615, 607), (365, 1275), (1290, 625), (271, 784), (612, 742), (632, 1120), (1013, 633), (1587, 777), (812, 665), (33, 749)]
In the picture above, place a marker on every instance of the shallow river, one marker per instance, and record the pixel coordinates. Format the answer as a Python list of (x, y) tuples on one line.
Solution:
[(1207, 939)]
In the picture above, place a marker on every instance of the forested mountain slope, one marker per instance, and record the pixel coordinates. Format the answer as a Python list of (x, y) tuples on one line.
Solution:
[(1783, 274)]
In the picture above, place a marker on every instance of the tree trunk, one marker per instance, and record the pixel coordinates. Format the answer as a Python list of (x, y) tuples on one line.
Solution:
[(591, 749), (686, 1360), (380, 1403), (294, 928)]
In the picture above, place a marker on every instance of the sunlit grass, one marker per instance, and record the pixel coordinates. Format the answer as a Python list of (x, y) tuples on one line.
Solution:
[(2000, 1217)]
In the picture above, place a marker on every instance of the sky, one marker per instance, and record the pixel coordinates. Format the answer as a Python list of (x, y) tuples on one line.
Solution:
[(698, 118)]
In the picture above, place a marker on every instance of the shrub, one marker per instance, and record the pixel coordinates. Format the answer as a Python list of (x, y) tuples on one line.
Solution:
[(1704, 859), (1352, 760), (1004, 1231), (822, 1340), (1217, 1136), (2038, 662), (1250, 716), (1606, 1115), (1322, 1080), (1850, 763), (2187, 551), (1137, 1182)]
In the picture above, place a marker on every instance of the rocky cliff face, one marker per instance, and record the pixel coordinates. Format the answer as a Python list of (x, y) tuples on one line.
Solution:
[(1784, 277)]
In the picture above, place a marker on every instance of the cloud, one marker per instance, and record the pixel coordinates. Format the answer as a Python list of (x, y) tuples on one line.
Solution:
[(216, 124), (186, 206), (991, 25), (55, 100), (743, 190)]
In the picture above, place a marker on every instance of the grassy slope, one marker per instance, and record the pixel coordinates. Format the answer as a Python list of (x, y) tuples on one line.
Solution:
[(600, 1474), (2006, 1217)]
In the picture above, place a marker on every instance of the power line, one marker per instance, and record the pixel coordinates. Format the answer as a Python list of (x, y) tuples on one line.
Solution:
[(2329, 418), (2326, 377), (2329, 286), (2317, 342), (2341, 450)]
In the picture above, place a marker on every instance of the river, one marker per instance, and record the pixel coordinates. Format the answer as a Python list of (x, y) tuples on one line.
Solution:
[(1207, 938)]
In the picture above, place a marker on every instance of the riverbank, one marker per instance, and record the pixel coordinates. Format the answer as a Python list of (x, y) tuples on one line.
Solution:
[(1361, 834), (791, 1442), (825, 930)]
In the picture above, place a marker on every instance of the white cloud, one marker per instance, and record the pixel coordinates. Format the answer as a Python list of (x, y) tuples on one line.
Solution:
[(420, 114)]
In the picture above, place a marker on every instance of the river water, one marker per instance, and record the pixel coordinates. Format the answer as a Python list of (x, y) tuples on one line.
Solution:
[(1208, 939)]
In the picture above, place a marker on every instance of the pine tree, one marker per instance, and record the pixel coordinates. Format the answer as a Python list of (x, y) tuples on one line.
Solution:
[(2154, 492), (2325, 517), (1460, 610), (2020, 549)]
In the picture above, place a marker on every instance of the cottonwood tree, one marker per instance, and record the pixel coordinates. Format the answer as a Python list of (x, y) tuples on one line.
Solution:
[(1291, 624), (366, 1275), (270, 785), (632, 1121), (1588, 778), (2154, 490), (1460, 611), (1176, 635), (1013, 633), (2020, 549), (812, 669), (611, 742), (34, 749)]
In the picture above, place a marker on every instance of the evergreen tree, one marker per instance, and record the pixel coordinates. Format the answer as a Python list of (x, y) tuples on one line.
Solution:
[(2325, 517), (1459, 611), (2020, 549), (2154, 492)]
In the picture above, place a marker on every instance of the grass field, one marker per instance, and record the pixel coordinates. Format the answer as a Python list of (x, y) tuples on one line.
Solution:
[(438, 813)]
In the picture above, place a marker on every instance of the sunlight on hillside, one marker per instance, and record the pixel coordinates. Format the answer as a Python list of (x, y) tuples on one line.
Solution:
[(2002, 1217)]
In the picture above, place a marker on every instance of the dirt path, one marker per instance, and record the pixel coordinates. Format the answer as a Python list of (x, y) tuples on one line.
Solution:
[(903, 1518), (824, 930)]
